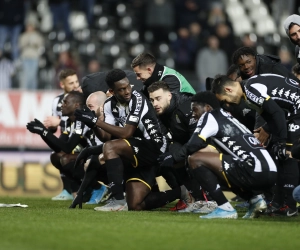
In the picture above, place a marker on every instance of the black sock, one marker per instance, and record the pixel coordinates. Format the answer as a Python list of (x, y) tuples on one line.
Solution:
[(115, 171), (209, 182), (90, 174), (291, 177), (159, 199), (66, 182)]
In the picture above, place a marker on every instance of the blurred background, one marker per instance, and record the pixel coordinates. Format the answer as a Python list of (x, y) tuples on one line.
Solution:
[(98, 35)]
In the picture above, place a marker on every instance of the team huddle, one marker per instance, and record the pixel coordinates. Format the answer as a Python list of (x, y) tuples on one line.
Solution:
[(241, 134)]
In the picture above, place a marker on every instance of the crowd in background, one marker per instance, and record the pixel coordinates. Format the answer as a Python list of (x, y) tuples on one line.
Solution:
[(192, 36)]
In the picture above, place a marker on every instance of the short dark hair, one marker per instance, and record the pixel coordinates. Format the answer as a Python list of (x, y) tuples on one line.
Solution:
[(243, 51), (65, 73), (296, 69), (158, 85), (143, 60), (219, 82), (206, 97), (78, 97), (113, 76)]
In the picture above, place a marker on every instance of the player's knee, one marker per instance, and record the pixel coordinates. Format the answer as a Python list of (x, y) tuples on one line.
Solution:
[(135, 206), (193, 162), (108, 149)]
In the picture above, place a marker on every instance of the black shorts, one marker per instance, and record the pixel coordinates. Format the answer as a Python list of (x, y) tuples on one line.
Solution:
[(293, 127), (241, 174), (145, 151), (145, 175)]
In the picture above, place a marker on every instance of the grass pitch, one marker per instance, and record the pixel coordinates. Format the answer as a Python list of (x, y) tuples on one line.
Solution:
[(47, 224)]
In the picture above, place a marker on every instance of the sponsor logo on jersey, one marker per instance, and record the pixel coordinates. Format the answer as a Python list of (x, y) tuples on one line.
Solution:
[(147, 120), (254, 98)]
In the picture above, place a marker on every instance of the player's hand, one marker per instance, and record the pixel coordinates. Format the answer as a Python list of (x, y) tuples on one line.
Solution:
[(261, 135), (166, 160), (37, 127), (51, 121), (279, 150), (77, 201), (87, 116)]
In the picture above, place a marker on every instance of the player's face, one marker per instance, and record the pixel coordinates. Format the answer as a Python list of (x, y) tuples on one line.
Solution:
[(142, 73), (160, 100), (295, 34), (247, 65), (233, 94), (68, 106), (198, 110), (122, 91), (91, 103), (70, 83)]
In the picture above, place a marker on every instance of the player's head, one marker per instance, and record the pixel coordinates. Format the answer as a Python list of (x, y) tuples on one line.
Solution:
[(68, 80), (245, 59), (143, 66), (160, 96), (95, 102), (119, 85), (233, 73), (72, 101), (203, 102), (227, 90), (296, 70), (292, 28)]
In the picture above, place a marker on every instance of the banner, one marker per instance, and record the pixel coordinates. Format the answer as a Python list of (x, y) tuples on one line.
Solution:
[(17, 108), (28, 174)]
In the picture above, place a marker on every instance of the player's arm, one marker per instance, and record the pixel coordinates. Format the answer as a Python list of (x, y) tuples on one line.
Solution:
[(269, 110), (275, 117), (180, 154), (172, 82), (207, 126)]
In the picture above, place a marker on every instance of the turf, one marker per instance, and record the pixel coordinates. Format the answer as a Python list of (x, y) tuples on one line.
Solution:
[(47, 224)]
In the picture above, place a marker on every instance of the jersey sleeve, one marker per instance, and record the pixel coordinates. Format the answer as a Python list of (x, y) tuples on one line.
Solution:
[(54, 106), (256, 94), (207, 126), (109, 117), (136, 111)]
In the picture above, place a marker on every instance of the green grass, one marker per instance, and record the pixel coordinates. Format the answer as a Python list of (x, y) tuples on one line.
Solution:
[(46, 224)]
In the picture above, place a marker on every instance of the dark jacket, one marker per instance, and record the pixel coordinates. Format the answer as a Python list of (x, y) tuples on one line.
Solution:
[(179, 122)]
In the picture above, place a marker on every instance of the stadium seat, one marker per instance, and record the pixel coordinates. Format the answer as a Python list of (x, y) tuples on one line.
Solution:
[(77, 20)]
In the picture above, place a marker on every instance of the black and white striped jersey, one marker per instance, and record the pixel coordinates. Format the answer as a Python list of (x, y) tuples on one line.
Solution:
[(138, 112), (284, 91), (56, 109), (230, 137)]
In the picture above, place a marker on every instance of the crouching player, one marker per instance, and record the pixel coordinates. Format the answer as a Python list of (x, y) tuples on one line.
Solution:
[(243, 164)]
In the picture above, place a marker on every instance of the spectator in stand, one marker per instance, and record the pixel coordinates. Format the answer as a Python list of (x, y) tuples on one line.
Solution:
[(7, 69), (216, 15), (286, 58), (188, 11), (65, 61), (226, 38), (12, 14), (60, 10), (30, 44), (184, 48), (210, 61), (160, 19)]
